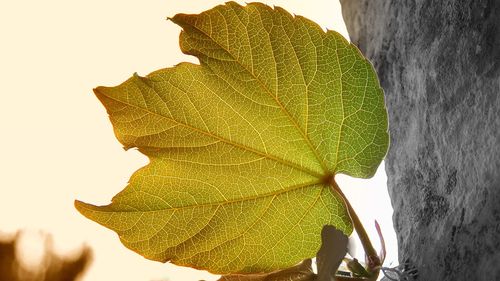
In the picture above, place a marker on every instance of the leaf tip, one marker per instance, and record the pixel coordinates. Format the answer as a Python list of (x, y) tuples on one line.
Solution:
[(98, 91), (177, 19), (139, 77), (79, 205), (84, 208)]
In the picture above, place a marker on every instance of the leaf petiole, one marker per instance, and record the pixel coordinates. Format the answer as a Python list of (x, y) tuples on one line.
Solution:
[(373, 260)]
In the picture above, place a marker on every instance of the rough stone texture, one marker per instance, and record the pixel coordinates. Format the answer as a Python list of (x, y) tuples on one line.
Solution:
[(439, 64)]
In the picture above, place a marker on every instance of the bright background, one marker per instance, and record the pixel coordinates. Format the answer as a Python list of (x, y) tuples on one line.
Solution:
[(57, 144)]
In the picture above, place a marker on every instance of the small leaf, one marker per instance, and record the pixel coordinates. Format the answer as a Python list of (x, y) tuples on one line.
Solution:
[(333, 249), (300, 272), (243, 146), (382, 252), (356, 268)]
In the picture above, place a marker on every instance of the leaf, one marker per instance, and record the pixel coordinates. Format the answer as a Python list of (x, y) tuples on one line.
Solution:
[(357, 269), (300, 272), (243, 146), (382, 252), (333, 249)]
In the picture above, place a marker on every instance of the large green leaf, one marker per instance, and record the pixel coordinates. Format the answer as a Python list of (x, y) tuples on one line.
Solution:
[(243, 145)]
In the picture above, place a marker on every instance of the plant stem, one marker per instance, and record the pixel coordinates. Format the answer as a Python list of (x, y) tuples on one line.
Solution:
[(374, 260)]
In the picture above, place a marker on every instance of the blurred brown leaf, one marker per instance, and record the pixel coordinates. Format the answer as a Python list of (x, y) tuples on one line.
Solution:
[(51, 268)]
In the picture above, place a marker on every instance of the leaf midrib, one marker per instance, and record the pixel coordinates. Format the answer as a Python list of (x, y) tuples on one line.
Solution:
[(219, 203)]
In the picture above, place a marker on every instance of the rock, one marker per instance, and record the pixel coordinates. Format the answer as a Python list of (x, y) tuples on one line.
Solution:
[(439, 64)]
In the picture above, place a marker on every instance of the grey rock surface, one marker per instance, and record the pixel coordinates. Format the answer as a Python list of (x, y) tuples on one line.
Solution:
[(439, 65)]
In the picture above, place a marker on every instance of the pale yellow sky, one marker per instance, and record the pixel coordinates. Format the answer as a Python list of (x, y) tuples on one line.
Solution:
[(56, 142)]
